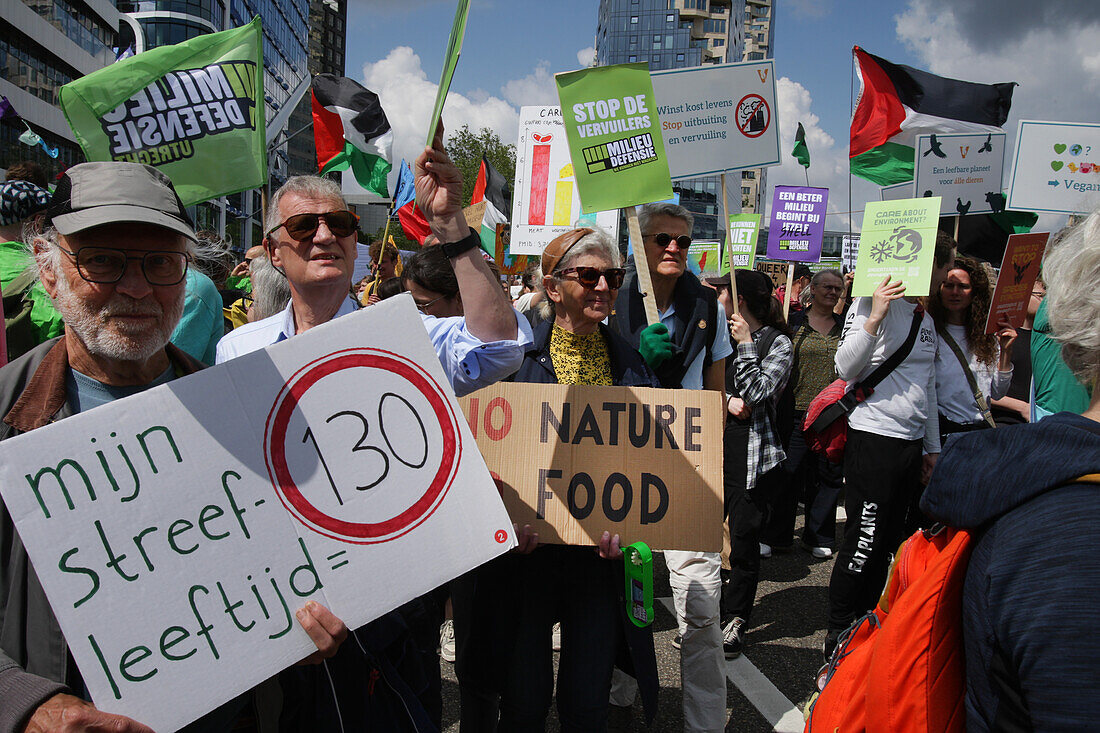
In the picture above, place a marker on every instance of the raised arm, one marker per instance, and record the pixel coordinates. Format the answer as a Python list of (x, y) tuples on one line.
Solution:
[(489, 314)]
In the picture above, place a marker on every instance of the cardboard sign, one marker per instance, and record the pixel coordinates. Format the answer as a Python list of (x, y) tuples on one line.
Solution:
[(718, 118), (901, 240), (450, 62), (1019, 270), (777, 269), (963, 170), (176, 532), (744, 231), (798, 223), (1056, 167), (849, 249), (614, 136), (546, 202), (575, 461)]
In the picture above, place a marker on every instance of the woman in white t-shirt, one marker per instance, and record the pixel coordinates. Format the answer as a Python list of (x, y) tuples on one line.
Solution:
[(959, 309)]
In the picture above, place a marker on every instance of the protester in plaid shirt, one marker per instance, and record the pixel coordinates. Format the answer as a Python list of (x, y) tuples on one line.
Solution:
[(755, 379)]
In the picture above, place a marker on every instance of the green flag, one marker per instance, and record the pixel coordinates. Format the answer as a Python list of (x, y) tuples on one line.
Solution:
[(193, 110), (801, 153)]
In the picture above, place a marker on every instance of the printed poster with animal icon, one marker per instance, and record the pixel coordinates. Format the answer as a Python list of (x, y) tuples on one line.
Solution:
[(1056, 167), (177, 531), (1019, 270), (897, 241), (964, 170)]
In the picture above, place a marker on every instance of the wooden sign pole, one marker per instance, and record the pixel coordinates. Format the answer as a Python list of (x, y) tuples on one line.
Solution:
[(787, 291), (645, 281), (729, 246)]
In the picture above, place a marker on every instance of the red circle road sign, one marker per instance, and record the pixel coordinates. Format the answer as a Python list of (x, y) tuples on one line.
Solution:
[(754, 116), (419, 507)]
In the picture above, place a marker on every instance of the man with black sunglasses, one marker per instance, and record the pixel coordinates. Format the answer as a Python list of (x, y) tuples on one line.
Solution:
[(687, 349), (112, 253)]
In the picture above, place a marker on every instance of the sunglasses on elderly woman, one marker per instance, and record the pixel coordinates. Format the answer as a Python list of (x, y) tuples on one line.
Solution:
[(663, 240), (589, 277), (303, 226)]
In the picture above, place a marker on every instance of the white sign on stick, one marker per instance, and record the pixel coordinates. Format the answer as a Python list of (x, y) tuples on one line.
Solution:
[(849, 250), (176, 532), (1056, 167), (718, 118), (964, 170), (545, 202)]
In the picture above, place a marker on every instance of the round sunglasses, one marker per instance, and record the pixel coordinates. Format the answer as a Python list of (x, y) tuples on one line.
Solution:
[(303, 226), (589, 277), (663, 240)]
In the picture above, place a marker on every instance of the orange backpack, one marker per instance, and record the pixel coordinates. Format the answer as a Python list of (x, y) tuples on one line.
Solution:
[(900, 668)]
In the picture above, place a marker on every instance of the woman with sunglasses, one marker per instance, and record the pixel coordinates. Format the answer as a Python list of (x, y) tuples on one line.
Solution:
[(578, 586)]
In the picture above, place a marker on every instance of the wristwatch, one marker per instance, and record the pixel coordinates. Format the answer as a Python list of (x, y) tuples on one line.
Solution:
[(454, 249)]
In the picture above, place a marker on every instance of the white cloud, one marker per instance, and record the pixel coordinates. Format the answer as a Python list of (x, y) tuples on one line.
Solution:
[(828, 157), (535, 88), (586, 56), (407, 96)]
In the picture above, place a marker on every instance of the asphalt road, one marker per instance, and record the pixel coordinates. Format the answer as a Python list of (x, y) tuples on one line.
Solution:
[(768, 686)]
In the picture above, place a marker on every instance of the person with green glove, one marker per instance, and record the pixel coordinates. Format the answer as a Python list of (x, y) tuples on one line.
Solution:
[(686, 349)]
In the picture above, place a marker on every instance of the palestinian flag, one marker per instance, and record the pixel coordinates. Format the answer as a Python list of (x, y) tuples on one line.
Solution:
[(491, 188), (896, 103), (351, 131)]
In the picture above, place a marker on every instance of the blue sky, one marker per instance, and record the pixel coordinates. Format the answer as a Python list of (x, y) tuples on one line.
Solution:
[(512, 49)]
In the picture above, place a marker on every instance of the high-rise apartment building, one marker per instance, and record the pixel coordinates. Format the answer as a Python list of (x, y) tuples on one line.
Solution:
[(45, 44), (673, 34)]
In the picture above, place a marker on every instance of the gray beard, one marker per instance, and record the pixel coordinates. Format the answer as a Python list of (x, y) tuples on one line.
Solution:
[(110, 339)]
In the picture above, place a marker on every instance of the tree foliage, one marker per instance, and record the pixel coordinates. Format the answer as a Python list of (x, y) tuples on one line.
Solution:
[(466, 148)]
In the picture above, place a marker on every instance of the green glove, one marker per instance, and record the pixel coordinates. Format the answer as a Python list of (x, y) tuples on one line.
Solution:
[(654, 345)]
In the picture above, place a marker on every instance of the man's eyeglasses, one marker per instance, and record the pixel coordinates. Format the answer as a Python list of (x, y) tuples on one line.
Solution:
[(105, 265), (423, 307), (663, 240), (589, 277), (303, 226)]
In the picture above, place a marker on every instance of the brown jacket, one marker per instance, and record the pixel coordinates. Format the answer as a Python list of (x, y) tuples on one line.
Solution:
[(33, 653)]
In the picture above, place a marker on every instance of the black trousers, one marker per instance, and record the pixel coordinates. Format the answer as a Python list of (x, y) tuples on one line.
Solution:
[(882, 480), (746, 510), (818, 482)]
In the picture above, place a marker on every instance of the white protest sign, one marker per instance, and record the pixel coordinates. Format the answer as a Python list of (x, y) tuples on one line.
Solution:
[(1056, 167), (849, 250), (718, 118), (964, 169), (176, 532), (545, 202), (897, 191)]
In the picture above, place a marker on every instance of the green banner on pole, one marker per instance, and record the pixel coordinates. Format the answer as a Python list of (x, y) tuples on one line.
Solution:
[(898, 241), (614, 136), (193, 110), (450, 61)]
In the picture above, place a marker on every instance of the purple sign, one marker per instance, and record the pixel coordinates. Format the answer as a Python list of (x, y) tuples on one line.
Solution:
[(798, 223)]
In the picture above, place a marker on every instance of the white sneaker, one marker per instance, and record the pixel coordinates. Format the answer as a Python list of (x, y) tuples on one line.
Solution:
[(821, 553), (447, 641), (555, 642), (765, 551)]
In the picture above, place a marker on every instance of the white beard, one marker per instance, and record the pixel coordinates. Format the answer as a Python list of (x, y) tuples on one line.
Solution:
[(112, 339)]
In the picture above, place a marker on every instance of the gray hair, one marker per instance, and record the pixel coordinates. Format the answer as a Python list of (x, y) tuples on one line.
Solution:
[(647, 212), (598, 243), (1071, 269), (806, 297), (270, 290), (310, 187)]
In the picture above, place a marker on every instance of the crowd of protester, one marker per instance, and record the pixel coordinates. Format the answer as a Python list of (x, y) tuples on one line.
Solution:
[(577, 317)]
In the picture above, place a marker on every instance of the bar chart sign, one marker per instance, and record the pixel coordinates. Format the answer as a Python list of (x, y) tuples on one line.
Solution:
[(545, 203)]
